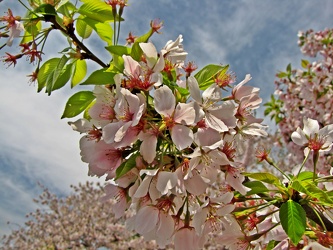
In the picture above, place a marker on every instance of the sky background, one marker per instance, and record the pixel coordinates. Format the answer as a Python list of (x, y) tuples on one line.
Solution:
[(252, 36)]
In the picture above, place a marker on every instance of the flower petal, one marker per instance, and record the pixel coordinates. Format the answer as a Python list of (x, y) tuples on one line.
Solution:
[(182, 136), (164, 101)]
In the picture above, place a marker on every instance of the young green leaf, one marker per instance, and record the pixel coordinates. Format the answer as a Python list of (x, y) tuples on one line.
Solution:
[(59, 76), (205, 75), (264, 177), (32, 29), (79, 72), (282, 74), (103, 29), (77, 103), (45, 9), (45, 71), (293, 220), (82, 28), (96, 10), (126, 166), (119, 50), (100, 77), (61, 79), (305, 63), (257, 187)]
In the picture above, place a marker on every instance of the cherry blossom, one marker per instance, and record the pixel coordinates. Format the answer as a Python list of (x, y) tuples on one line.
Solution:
[(175, 117), (312, 137)]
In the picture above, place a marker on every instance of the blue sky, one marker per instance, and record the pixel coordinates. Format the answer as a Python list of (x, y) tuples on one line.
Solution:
[(252, 36)]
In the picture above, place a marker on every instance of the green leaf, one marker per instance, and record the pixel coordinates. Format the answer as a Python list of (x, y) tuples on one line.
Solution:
[(307, 187), (62, 78), (119, 50), (288, 69), (103, 29), (271, 244), (264, 177), (32, 29), (47, 68), (257, 187), (305, 63), (86, 114), (126, 166), (82, 28), (46, 9), (100, 77), (206, 74), (66, 8), (282, 74), (136, 52), (306, 175), (59, 75), (79, 72), (96, 10), (77, 103), (293, 220)]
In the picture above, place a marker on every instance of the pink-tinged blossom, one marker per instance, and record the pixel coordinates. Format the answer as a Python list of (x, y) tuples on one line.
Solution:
[(152, 222), (166, 181), (175, 117), (312, 137), (154, 63), (101, 157), (102, 112), (217, 115), (128, 108), (186, 238), (14, 31), (235, 179), (232, 236), (85, 126), (119, 195), (240, 91), (148, 185), (174, 51), (13, 25), (207, 218), (315, 246), (148, 145), (145, 75)]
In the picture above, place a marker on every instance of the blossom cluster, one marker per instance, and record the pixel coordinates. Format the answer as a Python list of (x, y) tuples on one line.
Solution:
[(79, 221), (170, 148), (308, 92), (173, 145)]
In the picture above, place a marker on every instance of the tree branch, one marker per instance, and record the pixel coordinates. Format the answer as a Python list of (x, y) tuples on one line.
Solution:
[(70, 32)]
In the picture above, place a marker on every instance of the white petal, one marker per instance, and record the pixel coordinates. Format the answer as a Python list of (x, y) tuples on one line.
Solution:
[(195, 184), (299, 137), (164, 101), (148, 147), (215, 123), (146, 219), (193, 87), (213, 93), (199, 219), (151, 54), (184, 113), (310, 126), (166, 181), (132, 67), (182, 136), (165, 230), (109, 131), (143, 188)]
